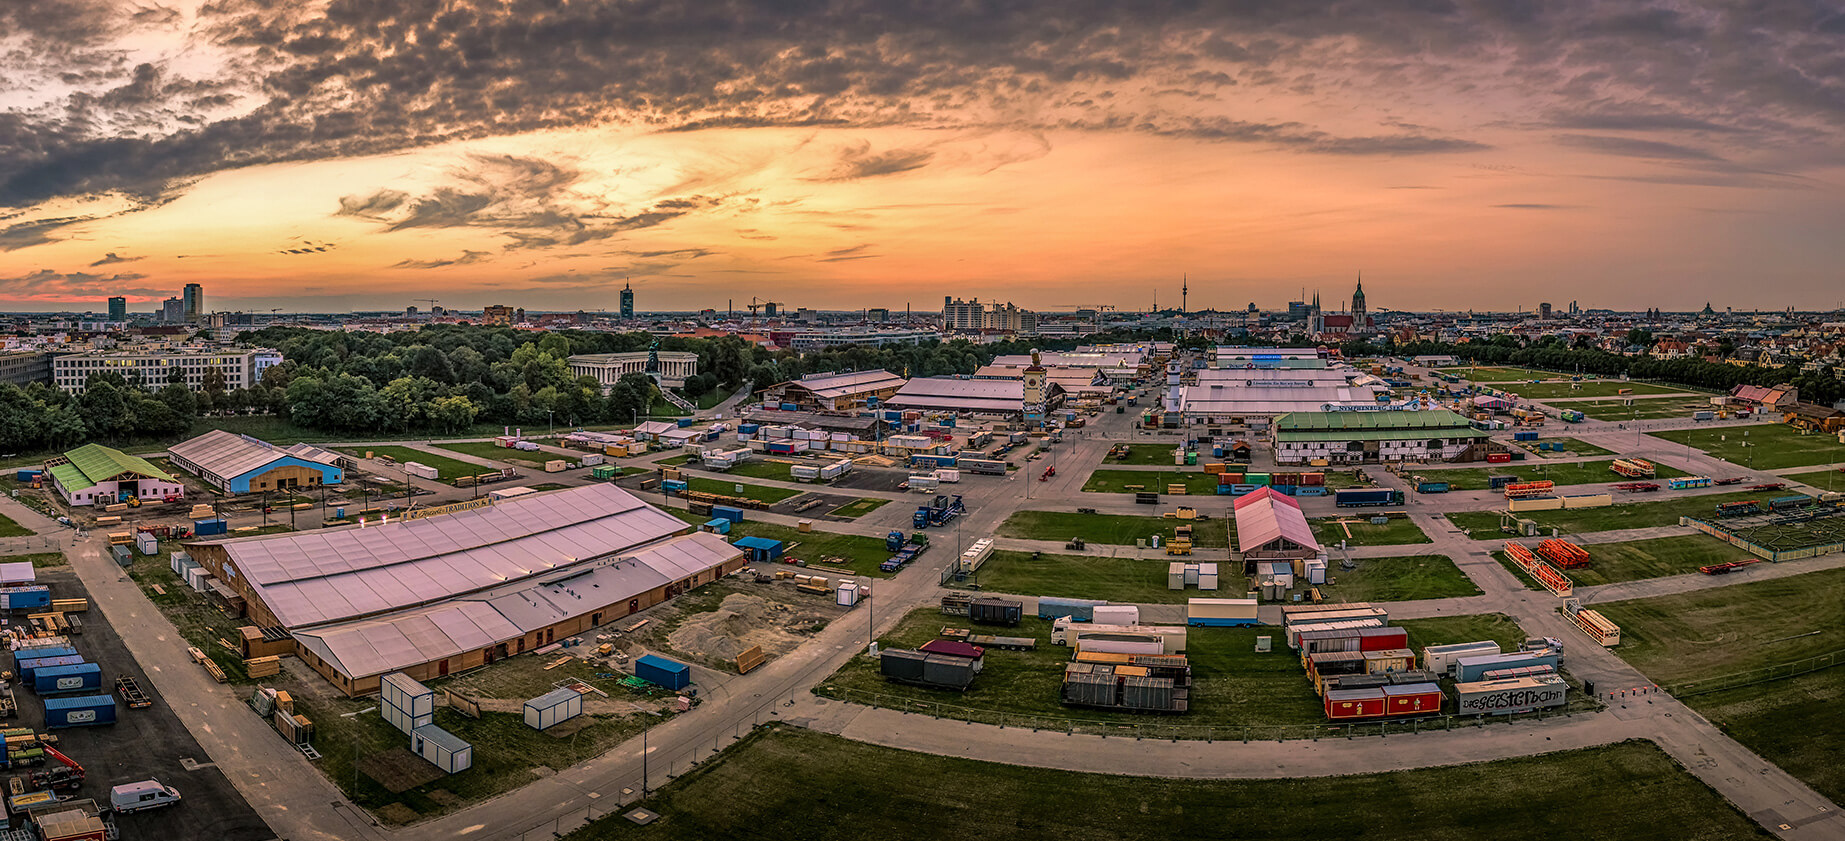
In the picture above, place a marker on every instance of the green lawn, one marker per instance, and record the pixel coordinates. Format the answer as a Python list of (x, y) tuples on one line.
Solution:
[(1762, 446), (675, 461), (1566, 473), (1645, 408), (760, 470), (446, 468), (1337, 478), (1232, 685), (792, 783), (1575, 448), (1132, 580), (1397, 579), (1710, 633), (1499, 375), (1399, 531), (855, 552), (1638, 559), (1622, 515), (858, 507), (1599, 388), (39, 560), (196, 619), (490, 450), (1793, 723), (8, 528), (1112, 529), (1830, 479), (1196, 482), (1152, 454), (1446, 630), (726, 487)]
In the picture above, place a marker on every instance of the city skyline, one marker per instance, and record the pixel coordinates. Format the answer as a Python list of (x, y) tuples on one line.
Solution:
[(332, 159)]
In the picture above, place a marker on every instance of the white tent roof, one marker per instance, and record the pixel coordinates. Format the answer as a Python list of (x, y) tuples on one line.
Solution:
[(321, 576), (227, 454)]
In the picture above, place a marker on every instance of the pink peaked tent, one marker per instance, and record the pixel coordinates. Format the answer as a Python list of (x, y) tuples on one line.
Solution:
[(1270, 522)]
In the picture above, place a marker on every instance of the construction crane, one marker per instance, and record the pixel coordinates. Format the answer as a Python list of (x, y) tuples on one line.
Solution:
[(430, 301)]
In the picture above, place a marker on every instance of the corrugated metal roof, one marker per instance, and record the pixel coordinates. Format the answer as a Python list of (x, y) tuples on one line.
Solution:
[(92, 464), (953, 393), (1270, 399), (313, 577), (1433, 419), (1264, 516), (840, 385), (228, 455), (374, 645)]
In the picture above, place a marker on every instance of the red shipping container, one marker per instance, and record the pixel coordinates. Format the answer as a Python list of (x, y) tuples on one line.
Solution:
[(1413, 699), (1229, 478), (1382, 639), (1313, 479), (1345, 704), (1498, 458)]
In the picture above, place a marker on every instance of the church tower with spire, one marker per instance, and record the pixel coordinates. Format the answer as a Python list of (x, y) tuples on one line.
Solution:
[(1359, 325)]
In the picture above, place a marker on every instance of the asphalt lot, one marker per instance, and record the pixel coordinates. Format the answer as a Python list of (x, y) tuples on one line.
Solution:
[(142, 744)]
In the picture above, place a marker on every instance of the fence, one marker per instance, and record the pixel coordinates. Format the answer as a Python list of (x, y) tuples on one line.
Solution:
[(1157, 728), (1758, 550), (1754, 676)]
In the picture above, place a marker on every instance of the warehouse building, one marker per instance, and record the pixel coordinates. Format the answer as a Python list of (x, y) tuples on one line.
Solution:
[(1236, 395), (97, 475), (1352, 437), (1271, 527), (832, 392), (241, 464), (437, 595), (1075, 381), (980, 397)]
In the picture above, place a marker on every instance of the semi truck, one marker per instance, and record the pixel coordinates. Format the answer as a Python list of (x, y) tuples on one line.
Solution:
[(1359, 497)]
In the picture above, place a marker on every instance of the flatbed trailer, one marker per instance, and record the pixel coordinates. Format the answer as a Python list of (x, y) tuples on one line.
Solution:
[(132, 694)]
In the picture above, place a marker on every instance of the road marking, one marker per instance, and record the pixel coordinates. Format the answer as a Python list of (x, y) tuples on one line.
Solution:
[(472, 829)]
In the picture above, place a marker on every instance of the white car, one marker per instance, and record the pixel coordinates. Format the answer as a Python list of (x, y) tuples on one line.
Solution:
[(142, 795)]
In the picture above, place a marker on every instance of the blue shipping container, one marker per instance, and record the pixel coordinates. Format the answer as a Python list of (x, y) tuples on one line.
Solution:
[(207, 528), (717, 525), (1079, 610), (663, 672), (684, 422), (27, 667), (1309, 490), (27, 475), (673, 485), (42, 653), (80, 677), (791, 407), (727, 512), (79, 710), (24, 598), (748, 428)]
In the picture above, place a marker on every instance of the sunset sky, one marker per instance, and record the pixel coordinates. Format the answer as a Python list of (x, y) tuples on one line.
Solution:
[(329, 156)]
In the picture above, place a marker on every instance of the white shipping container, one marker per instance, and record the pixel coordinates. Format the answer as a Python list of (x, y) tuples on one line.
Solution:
[(847, 594), (1440, 659), (1120, 643), (1235, 609), (591, 460), (947, 474), (1316, 571), (401, 719), (553, 708), (1066, 632), (420, 470), (1176, 574), (146, 543), (1116, 614), (1207, 576), (836, 469), (923, 483), (804, 472)]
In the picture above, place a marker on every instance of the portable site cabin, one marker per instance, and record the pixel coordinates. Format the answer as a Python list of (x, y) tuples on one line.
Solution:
[(760, 549), (442, 748), (553, 708)]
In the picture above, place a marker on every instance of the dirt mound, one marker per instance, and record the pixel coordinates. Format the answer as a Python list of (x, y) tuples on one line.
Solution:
[(741, 621)]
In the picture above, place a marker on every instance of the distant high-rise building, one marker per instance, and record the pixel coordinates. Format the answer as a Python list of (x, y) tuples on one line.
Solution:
[(118, 309), (497, 314), (172, 311), (1575, 310), (195, 303), (962, 315), (1544, 311), (877, 315), (627, 301), (1297, 311), (973, 315), (410, 312), (771, 309), (438, 311)]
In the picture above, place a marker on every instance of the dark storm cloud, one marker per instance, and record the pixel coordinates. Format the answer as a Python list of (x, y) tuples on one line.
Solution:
[(46, 284), (1635, 148), (38, 232), (352, 78), (111, 257)]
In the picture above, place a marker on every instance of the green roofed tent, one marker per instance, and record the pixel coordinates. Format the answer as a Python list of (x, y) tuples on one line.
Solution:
[(94, 474), (1356, 437)]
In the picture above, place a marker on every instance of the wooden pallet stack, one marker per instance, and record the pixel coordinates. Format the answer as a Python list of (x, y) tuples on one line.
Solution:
[(263, 666)]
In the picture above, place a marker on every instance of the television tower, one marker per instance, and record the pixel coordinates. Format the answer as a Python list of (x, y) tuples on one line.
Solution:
[(1185, 288)]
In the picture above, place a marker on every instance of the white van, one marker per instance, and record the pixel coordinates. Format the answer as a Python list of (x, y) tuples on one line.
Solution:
[(138, 796)]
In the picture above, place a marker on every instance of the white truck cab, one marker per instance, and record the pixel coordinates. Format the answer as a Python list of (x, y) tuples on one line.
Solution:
[(145, 794)]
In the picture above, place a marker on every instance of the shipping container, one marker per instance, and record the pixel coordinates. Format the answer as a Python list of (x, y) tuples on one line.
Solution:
[(1080, 610), (901, 665), (401, 719), (553, 708), (1068, 633), (1440, 658), (1471, 668), (1220, 612), (442, 748), (1115, 614), (1515, 695), (26, 667), (75, 677), (1412, 699), (663, 672), (995, 611), (1357, 497), (947, 671), (987, 467), (25, 598), (1292, 633), (1119, 643), (76, 711), (211, 527), (1347, 704)]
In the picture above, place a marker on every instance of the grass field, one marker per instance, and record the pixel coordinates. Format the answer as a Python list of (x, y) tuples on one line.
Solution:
[(796, 784), (1484, 525), (1567, 473), (1111, 529), (1709, 633), (1399, 531), (1232, 685), (1131, 580), (1398, 579), (1150, 454), (1498, 375), (446, 468), (1196, 482), (761, 470), (1638, 559), (1443, 630), (8, 528), (727, 487), (495, 452), (855, 552), (190, 612), (39, 560), (858, 507), (1830, 479), (674, 461), (1575, 447), (1602, 388), (1644, 408), (1793, 723), (1762, 446)]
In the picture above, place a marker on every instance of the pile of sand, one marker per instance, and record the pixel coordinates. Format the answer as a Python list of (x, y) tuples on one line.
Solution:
[(724, 633)]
